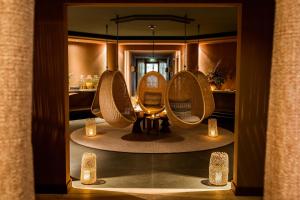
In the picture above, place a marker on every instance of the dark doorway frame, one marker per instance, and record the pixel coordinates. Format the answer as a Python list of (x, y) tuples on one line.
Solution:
[(50, 136)]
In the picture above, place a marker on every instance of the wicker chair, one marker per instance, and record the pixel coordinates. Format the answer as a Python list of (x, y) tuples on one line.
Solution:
[(209, 102), (151, 92), (95, 108), (188, 99), (114, 101)]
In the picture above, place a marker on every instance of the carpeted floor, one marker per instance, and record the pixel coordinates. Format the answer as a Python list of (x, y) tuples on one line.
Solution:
[(178, 141)]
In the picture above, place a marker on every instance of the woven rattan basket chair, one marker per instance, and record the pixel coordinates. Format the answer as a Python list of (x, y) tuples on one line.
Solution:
[(95, 108), (208, 99), (151, 92), (114, 101), (186, 100)]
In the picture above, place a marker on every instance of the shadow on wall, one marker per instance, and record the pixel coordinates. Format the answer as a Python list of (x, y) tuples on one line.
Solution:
[(222, 57)]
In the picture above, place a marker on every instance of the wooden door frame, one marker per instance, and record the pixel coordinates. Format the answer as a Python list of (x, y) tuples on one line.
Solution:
[(51, 15)]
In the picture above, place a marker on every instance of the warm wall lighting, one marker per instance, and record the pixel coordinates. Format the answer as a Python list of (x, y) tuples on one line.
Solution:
[(212, 127), (88, 169), (90, 127), (218, 168), (213, 87)]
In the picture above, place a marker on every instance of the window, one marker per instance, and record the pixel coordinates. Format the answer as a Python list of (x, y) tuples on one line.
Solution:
[(151, 67)]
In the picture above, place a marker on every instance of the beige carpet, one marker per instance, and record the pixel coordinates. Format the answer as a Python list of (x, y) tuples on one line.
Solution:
[(179, 140)]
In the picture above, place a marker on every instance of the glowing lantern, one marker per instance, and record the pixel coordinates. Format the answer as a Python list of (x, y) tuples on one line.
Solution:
[(212, 127), (90, 127), (218, 168), (88, 169)]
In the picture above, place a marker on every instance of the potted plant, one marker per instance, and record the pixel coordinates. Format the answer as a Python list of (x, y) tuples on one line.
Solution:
[(216, 78)]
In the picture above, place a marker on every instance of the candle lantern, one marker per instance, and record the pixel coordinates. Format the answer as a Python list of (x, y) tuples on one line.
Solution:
[(218, 168), (88, 169), (90, 127), (212, 127)]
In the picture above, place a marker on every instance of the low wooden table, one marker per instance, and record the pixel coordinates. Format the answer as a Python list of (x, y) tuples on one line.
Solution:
[(152, 124), (137, 124), (165, 124)]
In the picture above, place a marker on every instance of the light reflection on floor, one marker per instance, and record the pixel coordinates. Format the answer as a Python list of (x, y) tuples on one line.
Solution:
[(100, 186)]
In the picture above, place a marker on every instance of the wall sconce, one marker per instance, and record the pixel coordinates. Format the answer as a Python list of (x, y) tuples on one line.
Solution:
[(90, 127), (218, 168), (88, 169), (212, 127)]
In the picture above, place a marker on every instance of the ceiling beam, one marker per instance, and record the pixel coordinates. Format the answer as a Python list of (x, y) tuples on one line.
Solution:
[(174, 18)]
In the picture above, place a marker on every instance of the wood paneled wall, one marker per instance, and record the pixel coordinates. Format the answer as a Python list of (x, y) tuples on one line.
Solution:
[(253, 77), (192, 56), (85, 59), (112, 56), (50, 99), (220, 55)]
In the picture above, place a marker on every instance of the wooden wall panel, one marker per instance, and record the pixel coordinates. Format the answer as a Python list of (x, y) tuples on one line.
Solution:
[(192, 53), (253, 77), (223, 55), (50, 99), (85, 59), (112, 56)]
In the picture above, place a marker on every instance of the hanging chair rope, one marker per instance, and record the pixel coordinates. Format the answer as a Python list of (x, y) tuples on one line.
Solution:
[(188, 99), (95, 108), (185, 45), (151, 87), (114, 102)]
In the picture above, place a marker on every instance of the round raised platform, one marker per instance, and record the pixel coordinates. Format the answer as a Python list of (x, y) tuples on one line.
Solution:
[(178, 141)]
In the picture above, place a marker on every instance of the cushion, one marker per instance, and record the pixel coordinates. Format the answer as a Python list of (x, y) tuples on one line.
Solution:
[(183, 114), (181, 106), (187, 116), (152, 99), (191, 119)]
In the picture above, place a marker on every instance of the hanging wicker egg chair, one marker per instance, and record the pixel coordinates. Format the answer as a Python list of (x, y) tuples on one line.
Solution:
[(151, 92), (95, 108), (115, 104), (208, 98), (186, 100)]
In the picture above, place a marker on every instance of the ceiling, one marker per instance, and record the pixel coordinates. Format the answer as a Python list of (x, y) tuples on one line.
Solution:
[(93, 20)]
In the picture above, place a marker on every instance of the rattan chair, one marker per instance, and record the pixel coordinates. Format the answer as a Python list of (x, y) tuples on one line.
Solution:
[(151, 92), (114, 101), (208, 99), (188, 99), (95, 108)]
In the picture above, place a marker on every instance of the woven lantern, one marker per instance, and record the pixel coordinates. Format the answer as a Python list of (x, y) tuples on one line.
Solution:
[(90, 127), (212, 127), (88, 169), (218, 168)]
